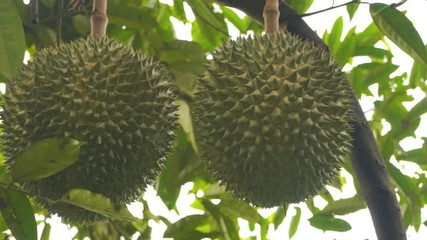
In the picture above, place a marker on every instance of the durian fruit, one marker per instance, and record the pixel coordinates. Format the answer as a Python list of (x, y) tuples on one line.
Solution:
[(99, 91), (272, 118)]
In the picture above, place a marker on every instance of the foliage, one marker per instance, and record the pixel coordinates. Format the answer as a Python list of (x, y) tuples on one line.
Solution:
[(147, 25)]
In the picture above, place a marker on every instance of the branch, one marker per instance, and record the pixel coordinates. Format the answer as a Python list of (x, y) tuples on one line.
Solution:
[(367, 161), (99, 19), (288, 17), (333, 7)]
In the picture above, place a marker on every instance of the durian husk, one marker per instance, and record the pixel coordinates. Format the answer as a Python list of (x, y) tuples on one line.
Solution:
[(272, 118), (99, 91)]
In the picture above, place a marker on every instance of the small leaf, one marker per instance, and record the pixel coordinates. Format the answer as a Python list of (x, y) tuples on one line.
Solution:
[(369, 36), (18, 214), (335, 35), (5, 175), (46, 232), (81, 23), (237, 208), (232, 16), (98, 203), (186, 226), (12, 40), (300, 6), (293, 227), (45, 158), (344, 206), (346, 48), (178, 10), (328, 222), (231, 230), (135, 18), (396, 26), (279, 216), (351, 9), (264, 228), (372, 51)]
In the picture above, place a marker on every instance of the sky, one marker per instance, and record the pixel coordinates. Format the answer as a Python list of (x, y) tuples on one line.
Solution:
[(362, 227)]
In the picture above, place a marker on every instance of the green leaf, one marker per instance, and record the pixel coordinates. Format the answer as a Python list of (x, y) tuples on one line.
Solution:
[(293, 227), (205, 12), (12, 40), (346, 48), (404, 182), (300, 6), (335, 35), (95, 202), (187, 228), (279, 216), (81, 23), (185, 59), (18, 214), (178, 10), (418, 75), (45, 158), (205, 35), (328, 222), (372, 51), (344, 206), (185, 120), (46, 231), (182, 166), (351, 9), (264, 223), (237, 208), (419, 109), (418, 155), (5, 175), (366, 74), (396, 26), (131, 17), (231, 16), (369, 36), (231, 230), (210, 28)]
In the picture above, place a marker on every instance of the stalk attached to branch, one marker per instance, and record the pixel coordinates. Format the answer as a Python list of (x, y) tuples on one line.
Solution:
[(99, 19), (271, 16)]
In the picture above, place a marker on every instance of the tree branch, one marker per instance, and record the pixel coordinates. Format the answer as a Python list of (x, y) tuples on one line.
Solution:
[(367, 161)]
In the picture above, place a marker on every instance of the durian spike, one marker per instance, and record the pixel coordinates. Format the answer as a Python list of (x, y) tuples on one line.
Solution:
[(271, 16), (98, 18)]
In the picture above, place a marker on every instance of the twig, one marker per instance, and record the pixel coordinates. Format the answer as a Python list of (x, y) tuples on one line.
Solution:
[(332, 7), (395, 5), (75, 5), (98, 18), (210, 24), (59, 22)]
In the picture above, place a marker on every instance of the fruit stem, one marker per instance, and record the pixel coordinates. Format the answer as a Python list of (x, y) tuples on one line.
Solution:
[(98, 18), (271, 16)]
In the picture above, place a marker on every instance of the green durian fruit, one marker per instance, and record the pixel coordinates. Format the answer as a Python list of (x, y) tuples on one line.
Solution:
[(95, 90), (272, 118)]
